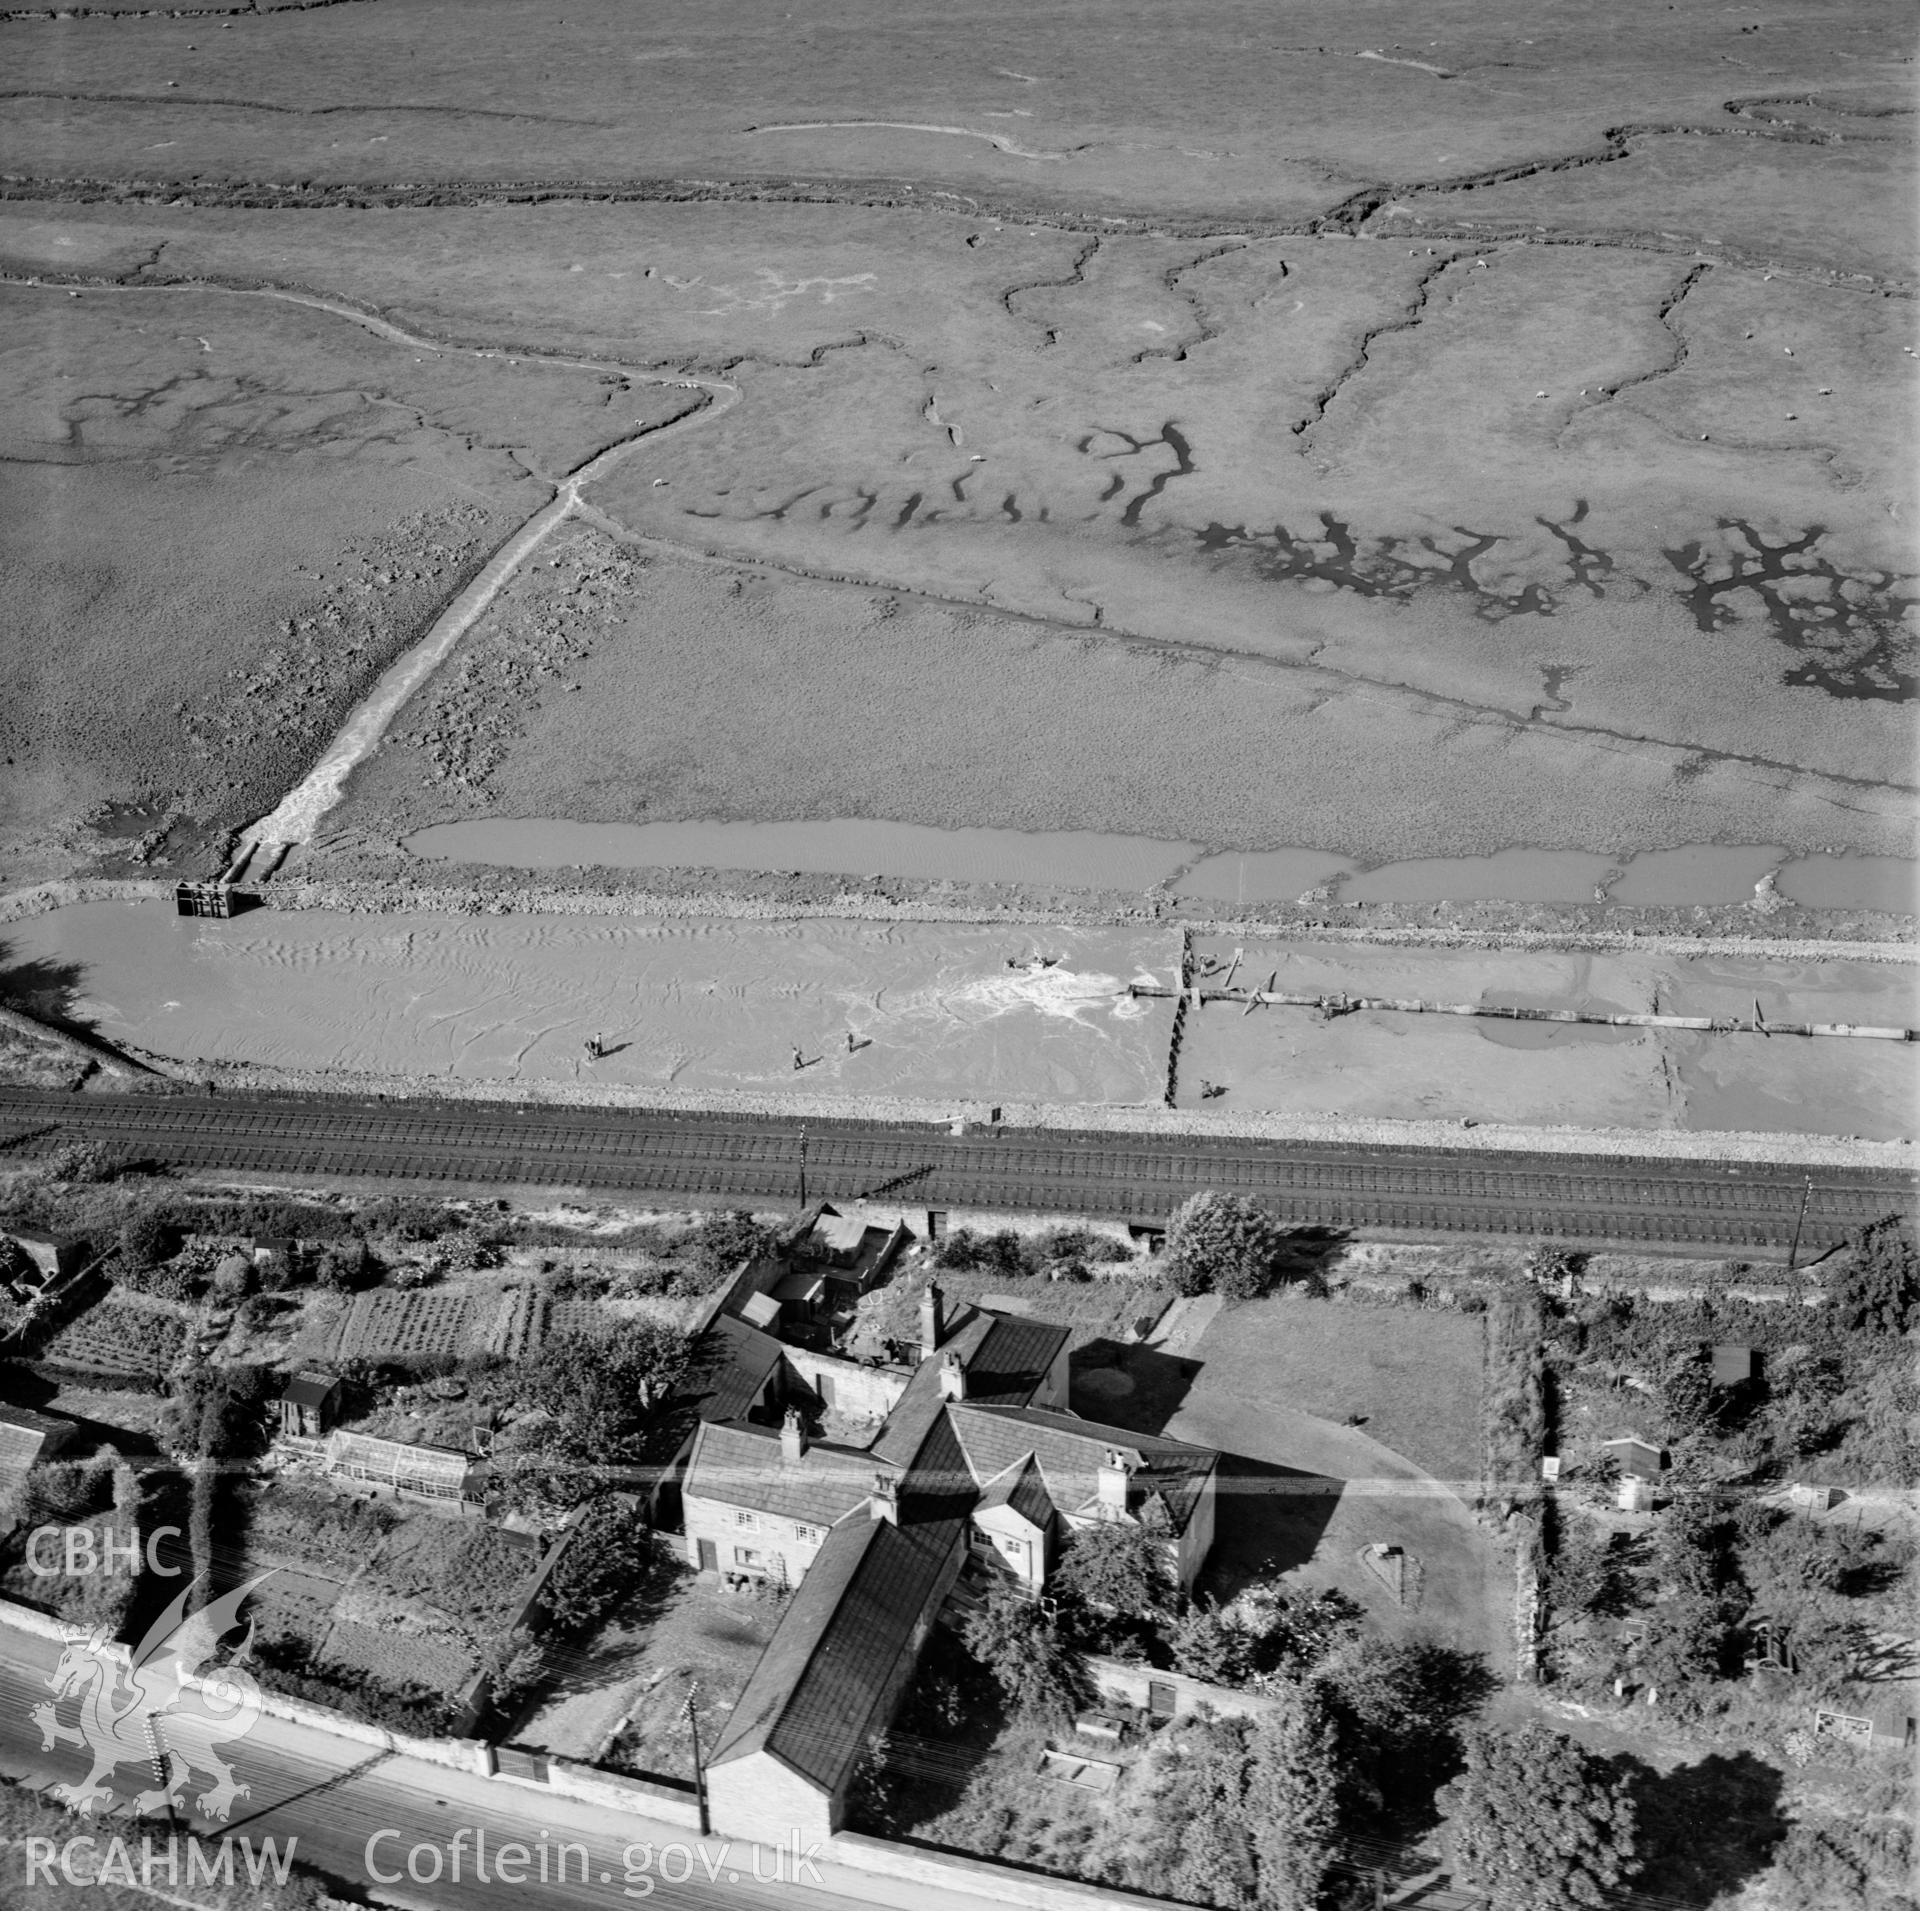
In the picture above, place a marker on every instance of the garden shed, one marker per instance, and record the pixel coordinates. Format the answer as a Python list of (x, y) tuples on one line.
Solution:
[(50, 1256), (1637, 1459), (308, 1405)]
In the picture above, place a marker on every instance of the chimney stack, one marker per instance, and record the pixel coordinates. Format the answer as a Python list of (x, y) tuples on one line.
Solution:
[(793, 1438), (1115, 1480), (885, 1501), (953, 1378), (933, 1320)]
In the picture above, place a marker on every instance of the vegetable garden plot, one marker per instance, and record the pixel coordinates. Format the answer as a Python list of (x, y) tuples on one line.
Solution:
[(385, 1325), (519, 1323), (120, 1336)]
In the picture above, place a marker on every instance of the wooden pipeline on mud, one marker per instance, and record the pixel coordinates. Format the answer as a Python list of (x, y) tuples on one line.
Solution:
[(1198, 995)]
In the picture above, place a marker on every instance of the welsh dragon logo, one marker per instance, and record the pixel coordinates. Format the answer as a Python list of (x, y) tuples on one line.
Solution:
[(154, 1707)]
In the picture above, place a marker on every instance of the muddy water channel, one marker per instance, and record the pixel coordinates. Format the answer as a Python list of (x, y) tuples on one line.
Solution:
[(853, 846), (1701, 873), (1380, 1063), (930, 1011)]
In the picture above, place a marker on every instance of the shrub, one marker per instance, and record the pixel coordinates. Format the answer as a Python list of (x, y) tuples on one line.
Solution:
[(148, 1239), (514, 1665), (1224, 1244), (1514, 1402), (1876, 1288), (235, 1278), (290, 1665), (406, 1218), (346, 1266), (998, 1254), (1830, 1863), (90, 1162), (722, 1241)]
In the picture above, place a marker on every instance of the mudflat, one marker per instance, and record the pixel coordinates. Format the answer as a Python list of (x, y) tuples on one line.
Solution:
[(1468, 431)]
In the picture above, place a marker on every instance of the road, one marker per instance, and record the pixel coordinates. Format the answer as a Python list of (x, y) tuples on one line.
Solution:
[(1748, 1208), (333, 1795)]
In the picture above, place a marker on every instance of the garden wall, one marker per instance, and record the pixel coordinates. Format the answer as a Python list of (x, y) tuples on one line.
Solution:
[(869, 1392), (661, 1801), (1127, 1684), (465, 1755), (978, 1877)]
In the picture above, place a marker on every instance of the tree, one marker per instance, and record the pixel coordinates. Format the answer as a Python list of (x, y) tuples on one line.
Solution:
[(514, 1665), (871, 1796), (610, 1557), (1203, 1806), (1538, 1823), (1212, 1645), (1294, 1632), (1686, 1392), (1685, 1638), (218, 1413), (1402, 1704), (1224, 1244), (1117, 1569), (600, 1394), (1829, 1653), (1690, 1551), (346, 1266), (1293, 1800), (1831, 1863), (1022, 1648), (1876, 1289)]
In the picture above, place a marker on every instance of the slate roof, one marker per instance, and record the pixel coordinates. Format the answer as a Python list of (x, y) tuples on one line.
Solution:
[(1021, 1488), (24, 1433), (1005, 1360), (741, 1465), (803, 1284), (919, 1407), (1069, 1451), (309, 1390), (811, 1698), (731, 1362), (1013, 1361)]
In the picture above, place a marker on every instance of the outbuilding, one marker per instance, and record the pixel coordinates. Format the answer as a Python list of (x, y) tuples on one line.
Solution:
[(309, 1405), (1637, 1459)]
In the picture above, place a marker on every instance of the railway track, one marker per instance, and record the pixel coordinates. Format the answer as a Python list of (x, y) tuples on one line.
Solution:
[(1733, 1206)]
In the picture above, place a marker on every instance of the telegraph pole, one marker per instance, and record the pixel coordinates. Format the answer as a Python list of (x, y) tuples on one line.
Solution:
[(803, 1170), (1793, 1248), (699, 1772)]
